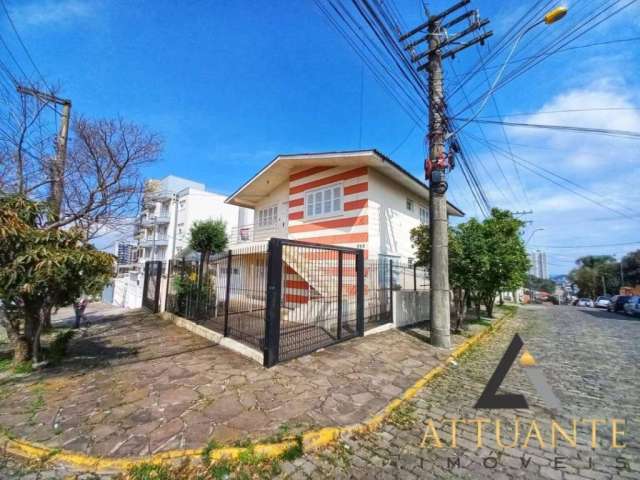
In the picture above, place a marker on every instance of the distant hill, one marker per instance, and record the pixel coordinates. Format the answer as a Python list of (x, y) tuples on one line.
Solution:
[(560, 279)]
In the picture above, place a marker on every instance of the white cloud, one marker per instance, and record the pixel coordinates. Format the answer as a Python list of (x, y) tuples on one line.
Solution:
[(52, 12)]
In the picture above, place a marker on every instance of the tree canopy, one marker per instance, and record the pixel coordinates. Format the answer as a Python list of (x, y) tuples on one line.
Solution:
[(484, 258), (40, 266)]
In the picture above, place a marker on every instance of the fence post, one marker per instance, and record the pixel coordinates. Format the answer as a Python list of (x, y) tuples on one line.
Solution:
[(226, 295), (415, 283), (391, 288), (339, 294), (274, 293), (360, 292), (158, 273)]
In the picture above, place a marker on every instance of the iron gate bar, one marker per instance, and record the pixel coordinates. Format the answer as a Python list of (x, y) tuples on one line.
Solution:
[(360, 292), (339, 294), (274, 291), (391, 287), (228, 290)]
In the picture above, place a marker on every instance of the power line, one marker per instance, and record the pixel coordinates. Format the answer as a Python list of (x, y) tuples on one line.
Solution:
[(24, 47), (588, 246), (599, 131), (570, 110)]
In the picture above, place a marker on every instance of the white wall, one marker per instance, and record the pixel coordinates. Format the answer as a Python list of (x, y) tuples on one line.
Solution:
[(201, 205), (390, 222), (410, 307)]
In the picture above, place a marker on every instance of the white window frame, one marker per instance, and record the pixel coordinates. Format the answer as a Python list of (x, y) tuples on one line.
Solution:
[(267, 217), (333, 212), (422, 208)]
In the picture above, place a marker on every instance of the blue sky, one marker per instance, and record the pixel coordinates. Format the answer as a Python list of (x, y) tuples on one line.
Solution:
[(231, 84)]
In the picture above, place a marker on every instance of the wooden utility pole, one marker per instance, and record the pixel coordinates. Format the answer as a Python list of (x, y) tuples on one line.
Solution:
[(437, 38), (57, 167)]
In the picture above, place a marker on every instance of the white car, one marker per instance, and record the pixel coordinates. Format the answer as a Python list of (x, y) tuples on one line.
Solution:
[(603, 302), (585, 302)]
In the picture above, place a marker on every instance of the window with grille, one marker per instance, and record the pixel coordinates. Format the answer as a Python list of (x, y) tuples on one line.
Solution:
[(323, 202), (268, 216)]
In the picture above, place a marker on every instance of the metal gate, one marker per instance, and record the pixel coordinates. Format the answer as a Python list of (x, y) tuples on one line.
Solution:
[(315, 297), (151, 288)]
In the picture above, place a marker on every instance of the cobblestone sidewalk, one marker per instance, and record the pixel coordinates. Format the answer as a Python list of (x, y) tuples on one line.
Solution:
[(136, 384)]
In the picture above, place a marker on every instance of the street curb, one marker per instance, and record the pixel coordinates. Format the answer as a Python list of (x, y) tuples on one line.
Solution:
[(312, 440)]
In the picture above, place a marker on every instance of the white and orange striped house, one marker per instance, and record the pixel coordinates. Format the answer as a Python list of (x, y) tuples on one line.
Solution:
[(356, 199)]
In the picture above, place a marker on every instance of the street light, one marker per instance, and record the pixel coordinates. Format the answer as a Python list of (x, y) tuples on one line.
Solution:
[(554, 15), (550, 17), (531, 295), (532, 233)]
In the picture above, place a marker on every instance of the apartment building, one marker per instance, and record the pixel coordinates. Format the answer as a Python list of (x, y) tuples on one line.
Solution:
[(539, 267), (170, 208)]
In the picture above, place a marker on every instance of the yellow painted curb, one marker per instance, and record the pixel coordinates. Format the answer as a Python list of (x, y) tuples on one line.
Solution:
[(312, 440)]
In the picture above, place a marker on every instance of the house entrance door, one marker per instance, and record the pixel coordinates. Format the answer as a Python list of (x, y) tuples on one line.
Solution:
[(282, 224)]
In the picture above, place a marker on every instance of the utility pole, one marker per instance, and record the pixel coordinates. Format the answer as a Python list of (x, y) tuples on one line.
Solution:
[(57, 167), (436, 38)]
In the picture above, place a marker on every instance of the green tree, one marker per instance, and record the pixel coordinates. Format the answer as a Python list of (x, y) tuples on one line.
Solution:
[(41, 268), (468, 261), (631, 268), (208, 237), (508, 260), (598, 275), (543, 284)]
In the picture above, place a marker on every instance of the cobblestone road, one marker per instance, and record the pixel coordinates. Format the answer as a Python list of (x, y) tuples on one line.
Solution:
[(589, 357)]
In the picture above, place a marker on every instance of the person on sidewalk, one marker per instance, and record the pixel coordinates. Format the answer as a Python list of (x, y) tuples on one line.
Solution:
[(79, 308)]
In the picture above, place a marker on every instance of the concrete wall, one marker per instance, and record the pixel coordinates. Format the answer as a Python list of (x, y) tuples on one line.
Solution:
[(390, 222), (410, 307), (127, 290)]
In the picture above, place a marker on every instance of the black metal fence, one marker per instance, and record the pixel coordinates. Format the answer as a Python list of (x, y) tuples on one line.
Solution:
[(382, 277), (317, 297), (288, 298), (228, 295)]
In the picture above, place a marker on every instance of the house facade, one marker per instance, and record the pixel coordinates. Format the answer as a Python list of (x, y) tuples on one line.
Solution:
[(358, 199)]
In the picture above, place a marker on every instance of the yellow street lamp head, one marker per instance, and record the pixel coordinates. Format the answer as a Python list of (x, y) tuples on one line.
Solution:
[(554, 15)]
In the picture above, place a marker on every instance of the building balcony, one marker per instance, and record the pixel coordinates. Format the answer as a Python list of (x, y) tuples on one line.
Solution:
[(160, 241), (150, 221)]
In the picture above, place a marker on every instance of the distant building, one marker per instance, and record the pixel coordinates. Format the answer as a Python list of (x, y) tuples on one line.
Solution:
[(127, 253), (170, 208), (539, 267)]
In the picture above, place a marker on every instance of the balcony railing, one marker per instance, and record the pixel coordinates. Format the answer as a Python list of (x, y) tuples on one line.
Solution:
[(253, 233)]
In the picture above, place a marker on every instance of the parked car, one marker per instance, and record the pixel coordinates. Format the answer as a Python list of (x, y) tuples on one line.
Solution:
[(602, 302), (617, 303), (585, 302), (632, 307)]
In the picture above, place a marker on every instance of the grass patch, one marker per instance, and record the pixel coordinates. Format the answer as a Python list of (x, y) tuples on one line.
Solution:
[(404, 416), (5, 364), (206, 451), (36, 404), (339, 456), (149, 471), (294, 451), (23, 367)]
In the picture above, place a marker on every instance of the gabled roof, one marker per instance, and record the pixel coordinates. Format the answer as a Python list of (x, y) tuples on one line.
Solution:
[(279, 169)]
